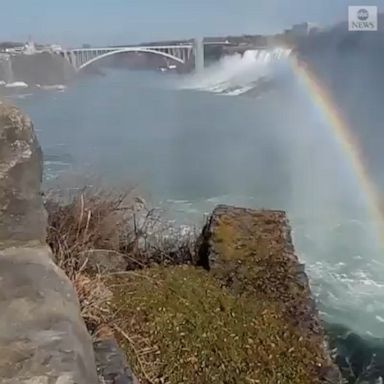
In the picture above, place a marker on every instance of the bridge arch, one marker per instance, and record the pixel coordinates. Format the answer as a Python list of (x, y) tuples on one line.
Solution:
[(131, 49)]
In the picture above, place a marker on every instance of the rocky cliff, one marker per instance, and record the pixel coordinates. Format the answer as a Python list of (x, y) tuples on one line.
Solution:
[(42, 68)]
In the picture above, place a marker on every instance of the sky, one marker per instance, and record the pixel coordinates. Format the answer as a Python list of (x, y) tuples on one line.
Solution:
[(100, 22)]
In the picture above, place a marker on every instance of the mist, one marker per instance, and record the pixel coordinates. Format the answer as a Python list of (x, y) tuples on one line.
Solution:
[(350, 65)]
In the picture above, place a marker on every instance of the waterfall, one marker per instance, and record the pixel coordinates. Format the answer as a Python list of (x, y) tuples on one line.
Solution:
[(239, 73)]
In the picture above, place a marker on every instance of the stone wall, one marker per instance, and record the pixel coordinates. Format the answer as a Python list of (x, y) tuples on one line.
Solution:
[(43, 338)]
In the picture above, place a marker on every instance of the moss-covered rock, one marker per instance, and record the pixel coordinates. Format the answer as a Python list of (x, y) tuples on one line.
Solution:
[(251, 253), (246, 318)]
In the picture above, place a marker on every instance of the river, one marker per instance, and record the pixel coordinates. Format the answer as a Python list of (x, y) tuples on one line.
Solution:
[(191, 142)]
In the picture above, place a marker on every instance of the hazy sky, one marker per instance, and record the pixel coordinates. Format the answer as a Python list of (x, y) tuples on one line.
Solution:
[(73, 22)]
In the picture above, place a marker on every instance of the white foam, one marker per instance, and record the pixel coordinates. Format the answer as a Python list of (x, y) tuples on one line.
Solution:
[(22, 96), (17, 84), (56, 87), (356, 295), (57, 163)]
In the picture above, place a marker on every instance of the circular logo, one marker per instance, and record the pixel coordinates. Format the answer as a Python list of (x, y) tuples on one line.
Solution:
[(362, 14)]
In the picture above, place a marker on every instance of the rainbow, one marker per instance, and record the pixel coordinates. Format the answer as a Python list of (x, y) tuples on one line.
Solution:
[(345, 138)]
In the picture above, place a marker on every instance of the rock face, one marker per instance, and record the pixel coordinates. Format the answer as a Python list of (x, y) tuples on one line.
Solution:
[(251, 253), (22, 217), (42, 68), (43, 338)]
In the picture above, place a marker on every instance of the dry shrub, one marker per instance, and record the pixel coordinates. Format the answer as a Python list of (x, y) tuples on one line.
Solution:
[(102, 220), (90, 220), (95, 299)]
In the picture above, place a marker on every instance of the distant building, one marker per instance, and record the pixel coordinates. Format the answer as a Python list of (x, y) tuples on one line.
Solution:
[(18, 49), (218, 40), (55, 48), (29, 48), (303, 29)]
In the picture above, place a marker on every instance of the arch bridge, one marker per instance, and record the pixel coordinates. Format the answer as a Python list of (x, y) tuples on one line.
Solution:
[(80, 58)]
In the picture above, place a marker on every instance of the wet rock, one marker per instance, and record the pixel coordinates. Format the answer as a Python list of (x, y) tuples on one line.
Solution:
[(361, 359), (43, 338), (112, 366), (252, 254)]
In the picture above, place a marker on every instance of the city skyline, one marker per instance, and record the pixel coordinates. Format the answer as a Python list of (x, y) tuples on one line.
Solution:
[(76, 22)]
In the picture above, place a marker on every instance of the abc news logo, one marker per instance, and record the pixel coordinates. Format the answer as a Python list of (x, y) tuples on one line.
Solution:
[(362, 18)]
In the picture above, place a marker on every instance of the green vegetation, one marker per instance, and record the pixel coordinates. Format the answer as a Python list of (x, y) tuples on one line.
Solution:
[(177, 325)]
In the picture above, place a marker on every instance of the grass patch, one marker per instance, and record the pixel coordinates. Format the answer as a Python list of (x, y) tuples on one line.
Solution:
[(178, 325)]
